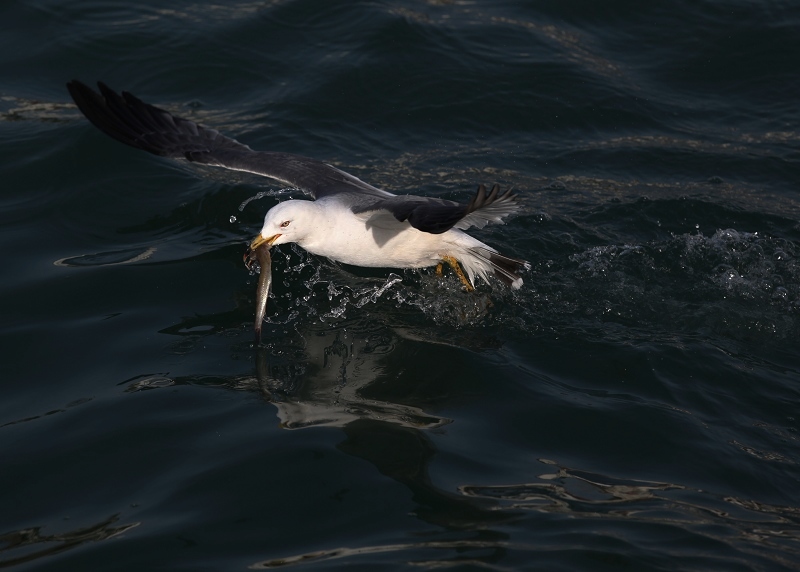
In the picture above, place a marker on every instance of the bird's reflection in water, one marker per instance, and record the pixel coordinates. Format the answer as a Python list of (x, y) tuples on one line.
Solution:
[(369, 385), (325, 386), (375, 384)]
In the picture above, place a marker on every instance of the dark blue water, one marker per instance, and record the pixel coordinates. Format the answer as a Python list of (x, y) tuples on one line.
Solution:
[(633, 406)]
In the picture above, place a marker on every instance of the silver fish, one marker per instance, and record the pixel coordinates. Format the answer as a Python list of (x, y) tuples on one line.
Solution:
[(260, 255)]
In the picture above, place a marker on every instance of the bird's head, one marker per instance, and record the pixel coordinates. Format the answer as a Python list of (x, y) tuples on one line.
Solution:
[(289, 221)]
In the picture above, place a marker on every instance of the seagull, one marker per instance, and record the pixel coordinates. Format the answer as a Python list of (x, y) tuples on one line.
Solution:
[(348, 221)]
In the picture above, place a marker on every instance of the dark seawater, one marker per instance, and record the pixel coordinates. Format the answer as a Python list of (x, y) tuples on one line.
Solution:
[(634, 406)]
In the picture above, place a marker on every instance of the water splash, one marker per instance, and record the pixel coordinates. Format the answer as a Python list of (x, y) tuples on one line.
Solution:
[(738, 284), (312, 287), (270, 193)]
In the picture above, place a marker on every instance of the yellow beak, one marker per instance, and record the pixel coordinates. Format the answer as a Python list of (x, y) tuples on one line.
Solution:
[(259, 240)]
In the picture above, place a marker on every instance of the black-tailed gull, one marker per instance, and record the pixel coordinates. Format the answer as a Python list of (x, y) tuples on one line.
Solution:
[(349, 220)]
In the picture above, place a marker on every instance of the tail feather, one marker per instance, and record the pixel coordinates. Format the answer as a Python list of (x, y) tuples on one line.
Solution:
[(507, 268), (485, 260)]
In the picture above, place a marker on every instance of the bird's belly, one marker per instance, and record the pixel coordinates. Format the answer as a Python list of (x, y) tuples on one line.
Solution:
[(375, 247)]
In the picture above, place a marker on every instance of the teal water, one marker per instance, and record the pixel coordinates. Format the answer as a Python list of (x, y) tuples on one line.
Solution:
[(633, 406)]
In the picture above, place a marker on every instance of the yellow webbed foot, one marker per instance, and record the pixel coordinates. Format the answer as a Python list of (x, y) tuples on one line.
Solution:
[(459, 272)]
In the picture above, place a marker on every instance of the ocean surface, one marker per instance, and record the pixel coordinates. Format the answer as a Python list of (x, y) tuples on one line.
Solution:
[(634, 406)]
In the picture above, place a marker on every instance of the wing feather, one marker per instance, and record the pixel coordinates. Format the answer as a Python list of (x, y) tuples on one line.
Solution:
[(439, 215), (129, 120)]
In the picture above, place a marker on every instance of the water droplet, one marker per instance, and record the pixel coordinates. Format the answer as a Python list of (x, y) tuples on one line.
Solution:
[(781, 293), (232, 219)]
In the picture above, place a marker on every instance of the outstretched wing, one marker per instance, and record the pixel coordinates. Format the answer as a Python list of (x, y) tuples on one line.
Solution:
[(129, 120), (439, 215)]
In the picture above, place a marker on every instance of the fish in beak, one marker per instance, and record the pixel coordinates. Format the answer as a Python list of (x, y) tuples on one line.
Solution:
[(259, 252)]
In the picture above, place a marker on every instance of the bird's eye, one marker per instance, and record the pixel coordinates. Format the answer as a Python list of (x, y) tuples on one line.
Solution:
[(285, 223)]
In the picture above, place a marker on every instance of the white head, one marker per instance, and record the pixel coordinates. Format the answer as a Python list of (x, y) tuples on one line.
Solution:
[(290, 221)]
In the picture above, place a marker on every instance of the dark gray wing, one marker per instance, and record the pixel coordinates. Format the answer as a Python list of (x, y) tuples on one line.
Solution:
[(439, 215), (129, 120)]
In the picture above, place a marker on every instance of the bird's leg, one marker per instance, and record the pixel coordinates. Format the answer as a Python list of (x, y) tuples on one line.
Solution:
[(439, 270), (460, 273)]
